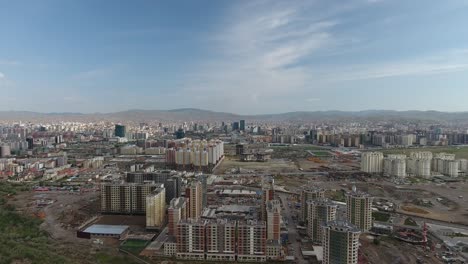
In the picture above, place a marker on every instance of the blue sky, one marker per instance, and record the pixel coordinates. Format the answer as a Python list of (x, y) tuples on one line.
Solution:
[(247, 57)]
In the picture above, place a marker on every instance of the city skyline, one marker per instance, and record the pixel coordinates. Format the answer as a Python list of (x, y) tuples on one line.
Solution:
[(242, 57)]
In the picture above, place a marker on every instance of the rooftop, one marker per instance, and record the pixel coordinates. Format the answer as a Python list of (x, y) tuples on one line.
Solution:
[(107, 229)]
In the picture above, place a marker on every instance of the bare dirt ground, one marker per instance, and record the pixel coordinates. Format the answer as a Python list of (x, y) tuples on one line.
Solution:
[(63, 217), (272, 166), (394, 252)]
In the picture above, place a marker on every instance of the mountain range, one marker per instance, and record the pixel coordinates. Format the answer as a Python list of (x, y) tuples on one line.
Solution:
[(192, 114)]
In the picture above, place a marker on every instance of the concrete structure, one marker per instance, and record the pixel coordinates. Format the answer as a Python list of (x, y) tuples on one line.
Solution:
[(320, 212), (274, 250), (5, 151), (273, 208), (395, 166), (359, 209), (176, 212), (104, 231), (194, 194), (340, 243), (419, 166), (190, 237), (242, 125), (221, 240), (307, 194), (156, 209), (120, 131), (126, 198), (268, 194), (440, 162), (372, 162), (251, 241)]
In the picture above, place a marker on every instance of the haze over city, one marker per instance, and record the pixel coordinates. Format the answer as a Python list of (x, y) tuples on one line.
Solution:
[(245, 57), (246, 131)]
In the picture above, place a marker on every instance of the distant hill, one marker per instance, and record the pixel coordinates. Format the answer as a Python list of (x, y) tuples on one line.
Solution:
[(192, 114)]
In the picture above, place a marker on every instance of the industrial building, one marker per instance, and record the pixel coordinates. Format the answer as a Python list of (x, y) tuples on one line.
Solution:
[(359, 209), (104, 231), (372, 162), (126, 198), (156, 209), (340, 243), (320, 212)]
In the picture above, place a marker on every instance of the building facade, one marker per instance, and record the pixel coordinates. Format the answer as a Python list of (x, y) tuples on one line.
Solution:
[(359, 209), (340, 243)]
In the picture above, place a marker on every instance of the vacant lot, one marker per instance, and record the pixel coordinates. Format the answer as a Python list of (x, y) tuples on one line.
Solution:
[(229, 165)]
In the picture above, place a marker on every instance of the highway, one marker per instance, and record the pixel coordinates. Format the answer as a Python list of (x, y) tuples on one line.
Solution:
[(292, 231)]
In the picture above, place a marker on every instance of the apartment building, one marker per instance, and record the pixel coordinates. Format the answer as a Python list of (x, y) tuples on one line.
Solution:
[(320, 212), (177, 211), (156, 209), (126, 198), (340, 243), (359, 209), (190, 238), (307, 194), (221, 240), (251, 242)]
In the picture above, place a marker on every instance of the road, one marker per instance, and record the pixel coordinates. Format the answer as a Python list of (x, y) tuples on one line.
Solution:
[(292, 231)]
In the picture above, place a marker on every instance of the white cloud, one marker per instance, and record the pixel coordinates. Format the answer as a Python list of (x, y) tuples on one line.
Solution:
[(2, 76), (446, 62), (260, 55)]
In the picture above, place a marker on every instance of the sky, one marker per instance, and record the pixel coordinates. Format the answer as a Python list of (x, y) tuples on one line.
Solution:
[(245, 57)]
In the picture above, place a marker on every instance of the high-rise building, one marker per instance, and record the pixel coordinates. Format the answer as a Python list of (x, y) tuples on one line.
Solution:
[(172, 182), (395, 166), (203, 179), (5, 151), (268, 194), (307, 194), (235, 126), (176, 212), (221, 240), (320, 212), (173, 187), (194, 194), (30, 141), (190, 237), (156, 209), (126, 198), (372, 162), (359, 209), (120, 131), (242, 125), (273, 208), (251, 241), (340, 243)]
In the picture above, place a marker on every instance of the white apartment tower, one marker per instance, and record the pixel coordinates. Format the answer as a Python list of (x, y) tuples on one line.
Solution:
[(372, 162)]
